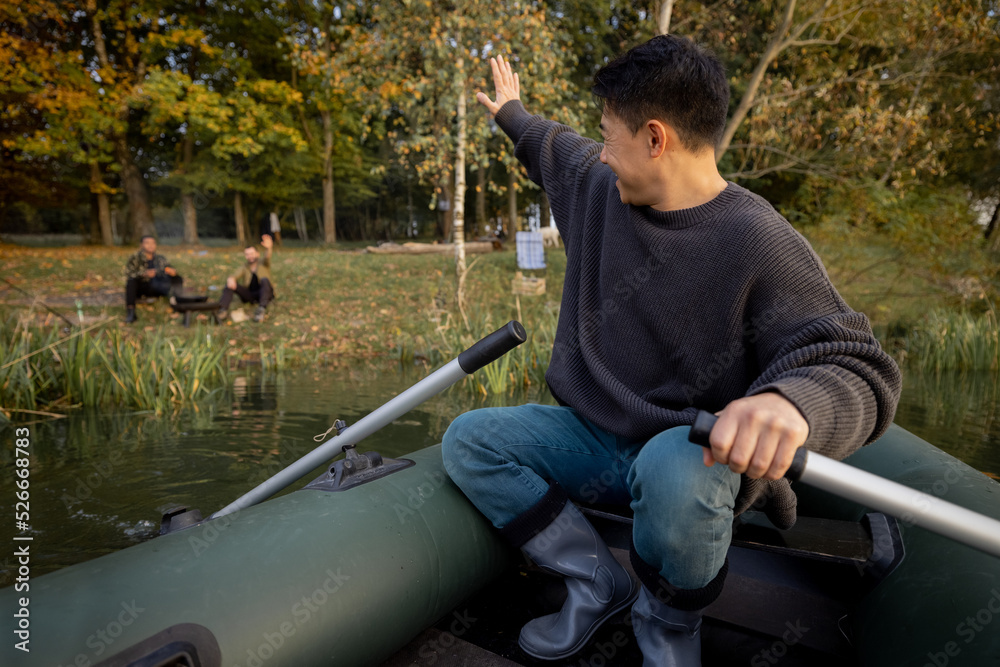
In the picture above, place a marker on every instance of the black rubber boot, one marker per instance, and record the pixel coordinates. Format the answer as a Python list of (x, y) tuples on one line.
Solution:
[(130, 315), (598, 586), (667, 637)]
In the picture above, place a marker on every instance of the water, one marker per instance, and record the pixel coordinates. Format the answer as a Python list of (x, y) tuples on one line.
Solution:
[(99, 482)]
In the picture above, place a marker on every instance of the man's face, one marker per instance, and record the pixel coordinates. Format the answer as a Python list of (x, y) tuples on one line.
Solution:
[(626, 153), (251, 254), (148, 246)]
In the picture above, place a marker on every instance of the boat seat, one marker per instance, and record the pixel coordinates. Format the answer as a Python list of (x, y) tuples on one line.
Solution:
[(815, 573), (847, 542)]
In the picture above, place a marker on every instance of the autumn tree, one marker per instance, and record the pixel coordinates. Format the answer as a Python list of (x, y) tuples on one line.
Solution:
[(434, 56), (56, 118)]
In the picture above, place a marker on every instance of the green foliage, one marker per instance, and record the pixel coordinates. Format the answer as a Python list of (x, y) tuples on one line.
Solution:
[(946, 340), (109, 368)]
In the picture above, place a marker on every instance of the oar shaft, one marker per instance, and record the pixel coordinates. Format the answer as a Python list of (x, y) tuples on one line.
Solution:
[(906, 504), (431, 385), (484, 351)]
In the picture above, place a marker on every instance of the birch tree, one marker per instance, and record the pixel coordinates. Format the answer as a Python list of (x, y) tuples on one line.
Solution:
[(434, 55)]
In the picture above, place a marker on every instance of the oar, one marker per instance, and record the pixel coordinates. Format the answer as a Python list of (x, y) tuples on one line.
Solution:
[(902, 502), (490, 348)]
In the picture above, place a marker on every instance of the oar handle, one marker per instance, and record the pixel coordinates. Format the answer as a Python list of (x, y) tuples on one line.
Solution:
[(702, 428), (909, 505), (492, 347)]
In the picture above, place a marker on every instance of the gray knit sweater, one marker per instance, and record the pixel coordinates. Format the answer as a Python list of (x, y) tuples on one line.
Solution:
[(666, 313)]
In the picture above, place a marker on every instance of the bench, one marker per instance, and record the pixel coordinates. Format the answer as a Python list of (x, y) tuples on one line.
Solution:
[(194, 304)]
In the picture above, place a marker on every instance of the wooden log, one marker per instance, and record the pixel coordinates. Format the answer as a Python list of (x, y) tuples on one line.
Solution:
[(411, 248)]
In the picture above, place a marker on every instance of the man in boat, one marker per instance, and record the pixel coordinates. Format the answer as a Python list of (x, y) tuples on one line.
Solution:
[(683, 291), (148, 273), (253, 282)]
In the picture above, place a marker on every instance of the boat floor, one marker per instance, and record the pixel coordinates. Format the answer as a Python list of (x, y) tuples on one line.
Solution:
[(777, 605)]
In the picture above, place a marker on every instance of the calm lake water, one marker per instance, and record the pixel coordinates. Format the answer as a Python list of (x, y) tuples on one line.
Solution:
[(100, 481)]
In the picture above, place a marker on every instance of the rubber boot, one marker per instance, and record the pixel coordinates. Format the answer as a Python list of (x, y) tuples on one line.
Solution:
[(130, 315), (258, 314), (667, 637), (597, 585)]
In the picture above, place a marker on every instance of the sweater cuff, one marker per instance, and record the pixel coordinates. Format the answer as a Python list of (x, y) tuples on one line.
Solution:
[(824, 399), (513, 118)]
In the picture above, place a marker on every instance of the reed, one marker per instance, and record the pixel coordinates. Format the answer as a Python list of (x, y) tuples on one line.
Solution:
[(947, 340), (521, 368), (104, 368)]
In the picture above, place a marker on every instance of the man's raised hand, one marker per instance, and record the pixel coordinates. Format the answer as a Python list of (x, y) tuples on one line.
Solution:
[(508, 86)]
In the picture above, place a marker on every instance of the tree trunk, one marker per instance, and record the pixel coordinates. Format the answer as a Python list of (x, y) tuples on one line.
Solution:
[(663, 16), (774, 47), (188, 209), (991, 229), (481, 197), (103, 204), (782, 38), (513, 224), (446, 205), (458, 220), (140, 215), (242, 228), (329, 211), (546, 217), (94, 235), (300, 223)]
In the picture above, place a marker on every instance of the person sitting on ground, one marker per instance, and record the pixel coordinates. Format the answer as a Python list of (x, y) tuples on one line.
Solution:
[(253, 282), (148, 274)]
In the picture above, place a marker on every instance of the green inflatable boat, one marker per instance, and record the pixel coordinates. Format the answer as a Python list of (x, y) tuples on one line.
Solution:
[(350, 577), (322, 577), (385, 562)]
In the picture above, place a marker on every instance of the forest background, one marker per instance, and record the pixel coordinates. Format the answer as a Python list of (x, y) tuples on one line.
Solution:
[(872, 125), (195, 119)]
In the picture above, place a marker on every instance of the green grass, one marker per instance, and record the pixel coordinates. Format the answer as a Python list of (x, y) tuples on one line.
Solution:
[(336, 306)]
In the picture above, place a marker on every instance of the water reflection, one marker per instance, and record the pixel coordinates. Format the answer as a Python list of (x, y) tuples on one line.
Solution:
[(958, 412), (99, 482)]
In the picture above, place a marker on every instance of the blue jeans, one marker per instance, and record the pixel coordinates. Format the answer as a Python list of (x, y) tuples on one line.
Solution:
[(503, 459)]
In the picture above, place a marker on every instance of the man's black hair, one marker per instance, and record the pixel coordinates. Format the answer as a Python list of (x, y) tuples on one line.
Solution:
[(146, 236), (670, 79)]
